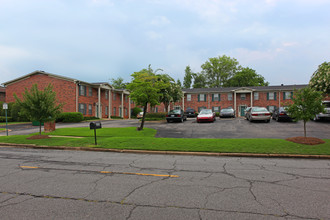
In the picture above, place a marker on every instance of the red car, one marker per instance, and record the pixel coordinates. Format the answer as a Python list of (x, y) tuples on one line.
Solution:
[(206, 115)]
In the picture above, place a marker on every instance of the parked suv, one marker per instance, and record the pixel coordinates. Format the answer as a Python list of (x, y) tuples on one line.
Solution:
[(326, 114)]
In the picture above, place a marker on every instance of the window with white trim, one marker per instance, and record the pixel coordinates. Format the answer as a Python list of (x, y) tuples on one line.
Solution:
[(256, 95), (243, 96), (230, 96), (188, 97)]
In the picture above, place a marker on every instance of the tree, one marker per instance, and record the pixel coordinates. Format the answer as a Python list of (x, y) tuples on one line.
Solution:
[(118, 83), (320, 80), (246, 77), (170, 91), (199, 80), (178, 82), (145, 89), (187, 80), (39, 105), (306, 103), (219, 69)]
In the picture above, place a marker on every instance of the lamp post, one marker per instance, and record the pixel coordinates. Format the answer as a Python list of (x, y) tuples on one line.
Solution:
[(5, 107)]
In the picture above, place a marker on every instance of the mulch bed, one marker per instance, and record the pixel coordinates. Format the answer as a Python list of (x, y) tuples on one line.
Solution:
[(306, 140), (38, 137)]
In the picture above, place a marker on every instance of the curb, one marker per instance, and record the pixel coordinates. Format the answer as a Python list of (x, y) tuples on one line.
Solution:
[(33, 146)]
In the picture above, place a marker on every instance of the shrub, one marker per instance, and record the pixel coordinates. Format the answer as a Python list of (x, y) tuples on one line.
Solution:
[(158, 115), (70, 117), (3, 119), (217, 114), (116, 117), (91, 118), (16, 113), (135, 111)]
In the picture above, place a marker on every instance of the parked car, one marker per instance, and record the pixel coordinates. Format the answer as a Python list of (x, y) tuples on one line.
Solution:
[(139, 115), (227, 112), (280, 114), (258, 114), (206, 115), (246, 110), (326, 114), (176, 115), (190, 112)]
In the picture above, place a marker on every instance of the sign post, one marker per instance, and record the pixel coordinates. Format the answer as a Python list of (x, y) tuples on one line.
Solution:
[(5, 107)]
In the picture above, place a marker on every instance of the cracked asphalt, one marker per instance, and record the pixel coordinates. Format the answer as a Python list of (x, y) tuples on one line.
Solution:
[(52, 184)]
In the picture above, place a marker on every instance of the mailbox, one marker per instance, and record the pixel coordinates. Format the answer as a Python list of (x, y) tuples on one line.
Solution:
[(95, 125)]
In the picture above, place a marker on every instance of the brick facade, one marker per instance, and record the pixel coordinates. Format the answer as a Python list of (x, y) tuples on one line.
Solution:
[(2, 94), (84, 97)]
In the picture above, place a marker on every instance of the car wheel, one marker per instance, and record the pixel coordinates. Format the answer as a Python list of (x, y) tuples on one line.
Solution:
[(181, 120), (250, 119), (268, 120), (168, 121)]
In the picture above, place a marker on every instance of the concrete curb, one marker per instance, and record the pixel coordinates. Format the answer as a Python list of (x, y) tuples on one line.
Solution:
[(33, 146)]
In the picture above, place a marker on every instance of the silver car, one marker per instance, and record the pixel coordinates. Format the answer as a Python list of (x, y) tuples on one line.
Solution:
[(258, 114)]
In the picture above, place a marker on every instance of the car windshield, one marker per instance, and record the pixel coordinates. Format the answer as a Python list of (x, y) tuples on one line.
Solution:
[(259, 109), (205, 112), (227, 110), (175, 111), (326, 104)]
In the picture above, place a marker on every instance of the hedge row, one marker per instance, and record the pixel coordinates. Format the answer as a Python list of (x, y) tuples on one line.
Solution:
[(3, 119), (70, 117)]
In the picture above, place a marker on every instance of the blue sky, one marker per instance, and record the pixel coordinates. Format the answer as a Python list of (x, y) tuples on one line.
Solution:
[(96, 40)]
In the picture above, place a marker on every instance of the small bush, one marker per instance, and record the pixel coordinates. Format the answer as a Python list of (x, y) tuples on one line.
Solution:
[(3, 119), (116, 117), (70, 117), (135, 111), (158, 115), (91, 118), (217, 114)]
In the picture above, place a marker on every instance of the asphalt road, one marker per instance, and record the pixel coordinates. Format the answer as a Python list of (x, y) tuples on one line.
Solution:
[(51, 184), (222, 128)]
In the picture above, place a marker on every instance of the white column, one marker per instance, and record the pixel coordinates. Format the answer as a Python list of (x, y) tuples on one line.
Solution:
[(109, 103), (251, 99), (279, 99), (183, 102), (77, 96), (99, 102), (129, 107), (235, 103), (122, 104)]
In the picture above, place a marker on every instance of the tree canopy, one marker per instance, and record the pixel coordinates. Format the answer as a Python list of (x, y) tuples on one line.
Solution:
[(188, 77), (40, 105), (306, 103), (170, 91), (118, 83), (218, 70), (145, 88), (320, 80), (246, 77)]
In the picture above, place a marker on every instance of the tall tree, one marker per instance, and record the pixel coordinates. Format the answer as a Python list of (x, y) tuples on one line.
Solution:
[(145, 88), (118, 83), (171, 91), (246, 77), (320, 80), (188, 77), (306, 103), (219, 69), (199, 80), (178, 82), (40, 105)]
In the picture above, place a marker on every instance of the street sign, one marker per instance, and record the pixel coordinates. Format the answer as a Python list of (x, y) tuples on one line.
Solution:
[(5, 106)]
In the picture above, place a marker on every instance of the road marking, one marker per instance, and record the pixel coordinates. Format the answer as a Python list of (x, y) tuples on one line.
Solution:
[(112, 172), (29, 167)]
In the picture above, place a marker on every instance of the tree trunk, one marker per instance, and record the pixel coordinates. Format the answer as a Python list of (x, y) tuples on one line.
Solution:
[(39, 127), (144, 116), (304, 128)]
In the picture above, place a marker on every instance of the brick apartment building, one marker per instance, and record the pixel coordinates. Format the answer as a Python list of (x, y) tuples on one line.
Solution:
[(101, 99), (91, 99), (2, 94)]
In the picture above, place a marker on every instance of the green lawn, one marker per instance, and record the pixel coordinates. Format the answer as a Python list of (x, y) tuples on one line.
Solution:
[(130, 138), (2, 129), (11, 123)]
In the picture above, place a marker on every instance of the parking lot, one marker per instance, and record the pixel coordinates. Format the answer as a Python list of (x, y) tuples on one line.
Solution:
[(221, 128), (240, 128)]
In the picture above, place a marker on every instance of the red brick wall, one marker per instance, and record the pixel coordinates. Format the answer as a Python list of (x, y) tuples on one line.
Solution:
[(65, 90)]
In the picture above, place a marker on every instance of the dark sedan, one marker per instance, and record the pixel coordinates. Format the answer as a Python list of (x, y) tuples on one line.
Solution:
[(176, 115), (227, 113), (280, 114), (190, 112)]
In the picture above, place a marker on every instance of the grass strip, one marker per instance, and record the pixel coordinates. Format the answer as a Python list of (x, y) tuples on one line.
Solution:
[(129, 138)]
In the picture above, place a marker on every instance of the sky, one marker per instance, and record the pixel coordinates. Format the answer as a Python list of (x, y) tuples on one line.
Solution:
[(100, 40)]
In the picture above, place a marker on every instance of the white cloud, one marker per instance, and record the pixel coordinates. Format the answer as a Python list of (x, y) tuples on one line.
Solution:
[(154, 35), (160, 21), (8, 53)]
